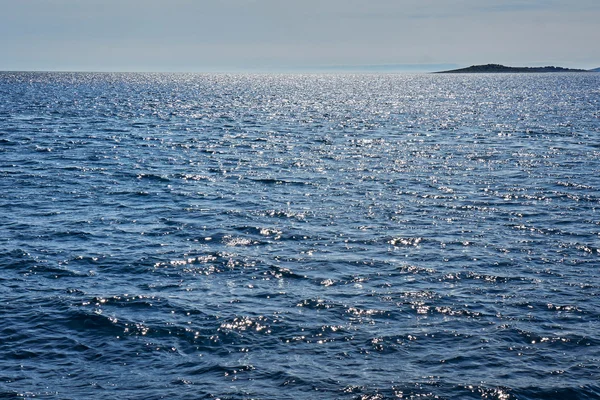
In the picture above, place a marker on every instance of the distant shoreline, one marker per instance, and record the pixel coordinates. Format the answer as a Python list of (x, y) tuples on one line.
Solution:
[(497, 68)]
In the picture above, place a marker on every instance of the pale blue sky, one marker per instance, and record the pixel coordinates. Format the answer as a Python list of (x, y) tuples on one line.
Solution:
[(263, 35)]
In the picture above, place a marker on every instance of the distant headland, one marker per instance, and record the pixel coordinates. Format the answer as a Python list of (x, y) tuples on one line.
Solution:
[(497, 68)]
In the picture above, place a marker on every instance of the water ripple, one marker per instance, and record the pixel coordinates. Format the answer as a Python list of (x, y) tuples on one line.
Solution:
[(269, 236)]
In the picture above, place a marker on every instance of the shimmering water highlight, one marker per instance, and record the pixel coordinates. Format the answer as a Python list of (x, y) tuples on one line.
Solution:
[(290, 236)]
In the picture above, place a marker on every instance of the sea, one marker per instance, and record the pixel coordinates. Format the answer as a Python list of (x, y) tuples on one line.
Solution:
[(289, 236)]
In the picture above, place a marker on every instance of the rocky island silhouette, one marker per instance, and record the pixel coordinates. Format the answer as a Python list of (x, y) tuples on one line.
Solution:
[(497, 68)]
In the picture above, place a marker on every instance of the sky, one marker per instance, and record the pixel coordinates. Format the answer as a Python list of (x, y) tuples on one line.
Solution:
[(295, 35)]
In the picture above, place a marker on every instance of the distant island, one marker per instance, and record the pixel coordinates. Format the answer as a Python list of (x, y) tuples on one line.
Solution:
[(497, 68)]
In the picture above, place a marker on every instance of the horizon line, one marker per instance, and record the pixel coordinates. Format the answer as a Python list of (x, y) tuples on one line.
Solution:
[(384, 68)]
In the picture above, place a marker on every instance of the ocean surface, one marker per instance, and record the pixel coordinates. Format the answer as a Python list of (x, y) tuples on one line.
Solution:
[(299, 236)]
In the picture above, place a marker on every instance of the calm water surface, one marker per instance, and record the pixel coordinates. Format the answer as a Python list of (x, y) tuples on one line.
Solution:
[(306, 237)]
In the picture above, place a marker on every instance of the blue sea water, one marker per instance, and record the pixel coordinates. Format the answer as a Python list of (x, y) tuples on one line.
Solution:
[(299, 236)]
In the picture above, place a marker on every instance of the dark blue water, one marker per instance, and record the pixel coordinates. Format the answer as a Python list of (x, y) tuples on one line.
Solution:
[(305, 237)]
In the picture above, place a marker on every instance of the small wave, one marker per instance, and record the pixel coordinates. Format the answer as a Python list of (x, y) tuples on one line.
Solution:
[(281, 272), (238, 241), (275, 181), (154, 177), (402, 241)]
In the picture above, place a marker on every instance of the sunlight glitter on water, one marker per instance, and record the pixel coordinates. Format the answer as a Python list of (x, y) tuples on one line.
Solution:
[(264, 236)]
